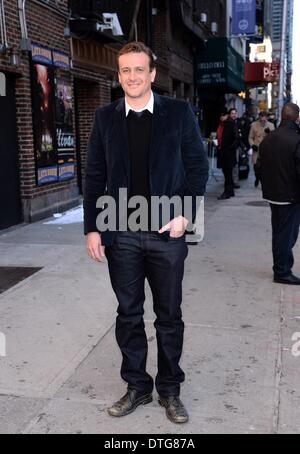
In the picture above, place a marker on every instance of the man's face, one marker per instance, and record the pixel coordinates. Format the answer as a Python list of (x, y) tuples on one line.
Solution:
[(263, 120), (233, 115), (135, 76)]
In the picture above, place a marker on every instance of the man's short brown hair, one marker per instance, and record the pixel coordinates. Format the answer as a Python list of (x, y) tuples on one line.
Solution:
[(138, 48), (263, 113)]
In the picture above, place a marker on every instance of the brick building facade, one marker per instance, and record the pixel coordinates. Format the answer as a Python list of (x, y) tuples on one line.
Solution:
[(45, 23)]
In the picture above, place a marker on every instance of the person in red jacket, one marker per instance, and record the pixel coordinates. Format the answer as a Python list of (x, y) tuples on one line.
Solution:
[(223, 118)]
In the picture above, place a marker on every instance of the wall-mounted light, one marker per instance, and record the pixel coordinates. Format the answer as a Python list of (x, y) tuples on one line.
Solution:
[(67, 32), (14, 56), (214, 27), (203, 18)]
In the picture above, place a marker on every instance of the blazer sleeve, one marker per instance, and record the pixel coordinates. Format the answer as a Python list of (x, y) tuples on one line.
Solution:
[(297, 162), (95, 176), (194, 158)]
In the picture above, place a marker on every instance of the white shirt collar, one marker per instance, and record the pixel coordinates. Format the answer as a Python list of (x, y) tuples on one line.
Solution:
[(149, 106)]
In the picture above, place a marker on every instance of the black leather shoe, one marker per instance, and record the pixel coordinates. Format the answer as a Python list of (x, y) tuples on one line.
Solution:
[(224, 196), (290, 279), (236, 186), (256, 184), (128, 403), (175, 409)]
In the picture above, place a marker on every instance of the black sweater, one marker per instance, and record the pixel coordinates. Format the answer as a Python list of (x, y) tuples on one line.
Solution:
[(139, 138)]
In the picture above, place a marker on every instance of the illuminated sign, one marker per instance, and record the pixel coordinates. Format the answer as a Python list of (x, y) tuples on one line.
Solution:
[(61, 60), (41, 54)]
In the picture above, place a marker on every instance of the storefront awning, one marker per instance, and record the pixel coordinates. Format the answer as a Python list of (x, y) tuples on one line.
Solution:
[(220, 66)]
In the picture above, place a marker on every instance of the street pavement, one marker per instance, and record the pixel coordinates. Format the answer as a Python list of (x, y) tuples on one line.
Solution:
[(61, 369)]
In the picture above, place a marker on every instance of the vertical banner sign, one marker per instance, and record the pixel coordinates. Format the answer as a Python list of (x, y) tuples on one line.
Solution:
[(243, 17), (44, 114), (64, 129)]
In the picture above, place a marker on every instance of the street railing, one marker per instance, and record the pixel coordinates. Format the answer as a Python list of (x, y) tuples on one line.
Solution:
[(212, 153)]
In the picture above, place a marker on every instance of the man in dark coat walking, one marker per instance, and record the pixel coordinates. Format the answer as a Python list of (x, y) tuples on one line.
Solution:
[(230, 143), (151, 146), (279, 169)]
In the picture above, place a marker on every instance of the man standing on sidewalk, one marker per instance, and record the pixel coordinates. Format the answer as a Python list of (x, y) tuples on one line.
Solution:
[(279, 169), (259, 130), (230, 143), (150, 145)]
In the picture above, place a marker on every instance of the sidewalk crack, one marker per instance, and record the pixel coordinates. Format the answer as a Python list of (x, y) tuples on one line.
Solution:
[(278, 369)]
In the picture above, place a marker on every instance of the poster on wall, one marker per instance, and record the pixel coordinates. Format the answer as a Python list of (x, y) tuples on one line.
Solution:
[(44, 123), (64, 129)]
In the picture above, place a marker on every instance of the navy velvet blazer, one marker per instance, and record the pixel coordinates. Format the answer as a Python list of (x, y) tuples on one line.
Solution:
[(178, 162)]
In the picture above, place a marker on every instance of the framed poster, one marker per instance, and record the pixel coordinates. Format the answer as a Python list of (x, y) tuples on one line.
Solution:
[(43, 96), (64, 129)]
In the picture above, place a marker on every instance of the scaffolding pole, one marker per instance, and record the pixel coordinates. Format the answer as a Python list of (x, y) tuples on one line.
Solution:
[(283, 59)]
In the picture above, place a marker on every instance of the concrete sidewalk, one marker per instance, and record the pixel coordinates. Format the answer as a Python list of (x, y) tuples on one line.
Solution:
[(61, 368)]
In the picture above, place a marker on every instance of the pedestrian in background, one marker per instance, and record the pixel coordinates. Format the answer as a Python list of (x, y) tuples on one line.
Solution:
[(230, 143), (272, 119), (279, 169), (245, 125), (259, 130)]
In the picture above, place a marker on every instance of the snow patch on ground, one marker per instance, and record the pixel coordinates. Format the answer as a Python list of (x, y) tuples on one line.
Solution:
[(74, 216)]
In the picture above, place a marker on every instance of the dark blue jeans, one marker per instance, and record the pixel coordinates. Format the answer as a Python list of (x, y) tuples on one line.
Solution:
[(285, 226), (133, 258)]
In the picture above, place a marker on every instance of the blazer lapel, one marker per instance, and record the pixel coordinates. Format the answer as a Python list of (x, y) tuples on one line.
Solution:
[(121, 135), (157, 128)]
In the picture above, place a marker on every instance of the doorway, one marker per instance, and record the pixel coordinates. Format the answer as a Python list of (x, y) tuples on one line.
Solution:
[(10, 201)]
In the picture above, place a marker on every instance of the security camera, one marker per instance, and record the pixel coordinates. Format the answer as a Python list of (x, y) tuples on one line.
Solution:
[(214, 27), (111, 22)]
